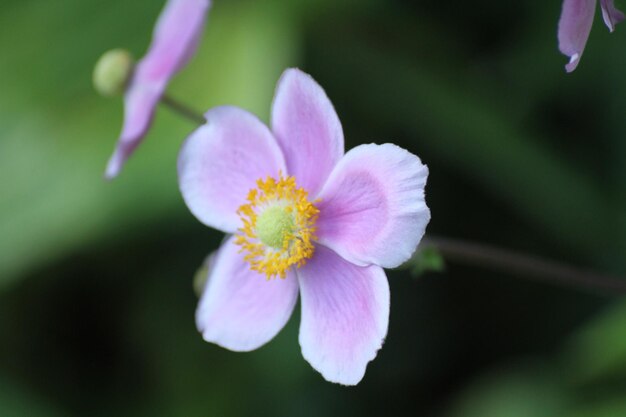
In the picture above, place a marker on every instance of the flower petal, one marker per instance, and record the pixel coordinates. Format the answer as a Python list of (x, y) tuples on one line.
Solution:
[(307, 129), (175, 38), (220, 163), (574, 27), (372, 208), (345, 315), (240, 309), (610, 14), (174, 42), (140, 102)]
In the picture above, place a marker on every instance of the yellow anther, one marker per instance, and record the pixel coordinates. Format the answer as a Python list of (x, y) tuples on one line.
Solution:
[(278, 227)]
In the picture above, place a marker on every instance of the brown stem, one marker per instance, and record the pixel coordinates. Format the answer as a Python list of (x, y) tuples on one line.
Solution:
[(524, 265), (182, 109)]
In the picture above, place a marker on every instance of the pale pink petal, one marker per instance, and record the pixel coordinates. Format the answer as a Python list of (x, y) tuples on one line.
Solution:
[(174, 42), (140, 102), (175, 38), (574, 27), (345, 315), (240, 309), (610, 14), (307, 129), (372, 208), (220, 163)]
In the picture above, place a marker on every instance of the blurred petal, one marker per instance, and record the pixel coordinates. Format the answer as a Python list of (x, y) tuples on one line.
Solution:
[(574, 28), (307, 129), (220, 163), (174, 42), (175, 38), (372, 208), (240, 309), (140, 102), (610, 14), (345, 315)]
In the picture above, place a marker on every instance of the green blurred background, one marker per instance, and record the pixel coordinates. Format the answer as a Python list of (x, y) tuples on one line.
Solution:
[(96, 300)]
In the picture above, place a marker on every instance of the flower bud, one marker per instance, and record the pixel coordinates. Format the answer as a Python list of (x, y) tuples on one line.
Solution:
[(202, 274), (112, 72)]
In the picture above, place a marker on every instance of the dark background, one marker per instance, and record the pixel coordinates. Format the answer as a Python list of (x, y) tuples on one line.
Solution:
[(96, 299)]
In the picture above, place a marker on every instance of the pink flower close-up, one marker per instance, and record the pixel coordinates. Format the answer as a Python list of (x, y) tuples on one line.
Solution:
[(174, 42), (304, 218), (575, 24)]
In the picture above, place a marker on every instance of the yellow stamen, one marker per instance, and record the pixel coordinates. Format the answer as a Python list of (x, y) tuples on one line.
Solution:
[(278, 226)]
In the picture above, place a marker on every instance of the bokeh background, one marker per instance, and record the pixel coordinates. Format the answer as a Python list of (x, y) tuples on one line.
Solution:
[(96, 299)]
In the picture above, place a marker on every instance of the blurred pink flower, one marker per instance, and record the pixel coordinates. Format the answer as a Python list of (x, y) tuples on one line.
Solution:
[(174, 41), (575, 25), (324, 222)]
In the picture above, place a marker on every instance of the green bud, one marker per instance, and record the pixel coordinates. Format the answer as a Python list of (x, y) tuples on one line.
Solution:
[(112, 72), (202, 274), (427, 258)]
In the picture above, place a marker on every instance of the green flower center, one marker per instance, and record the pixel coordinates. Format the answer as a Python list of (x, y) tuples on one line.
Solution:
[(274, 225)]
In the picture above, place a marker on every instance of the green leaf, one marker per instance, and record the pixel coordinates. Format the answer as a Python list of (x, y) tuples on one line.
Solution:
[(16, 402), (615, 407), (426, 259), (529, 390), (598, 350)]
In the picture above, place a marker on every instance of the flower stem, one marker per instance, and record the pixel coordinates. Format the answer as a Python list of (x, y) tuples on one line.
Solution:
[(523, 265), (182, 109)]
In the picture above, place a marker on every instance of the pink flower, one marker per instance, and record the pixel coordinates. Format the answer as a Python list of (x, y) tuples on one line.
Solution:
[(575, 25), (322, 222), (174, 41)]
